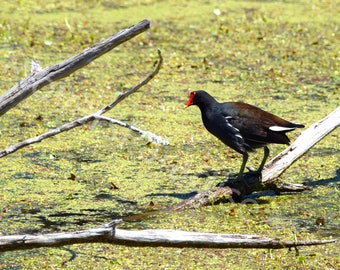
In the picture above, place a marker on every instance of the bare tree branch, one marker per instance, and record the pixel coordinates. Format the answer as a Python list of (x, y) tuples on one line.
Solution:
[(81, 121), (151, 137), (136, 87), (107, 233), (39, 78)]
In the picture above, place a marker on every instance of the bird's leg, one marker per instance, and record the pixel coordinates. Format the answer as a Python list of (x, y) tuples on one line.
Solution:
[(244, 162), (265, 156), (263, 162)]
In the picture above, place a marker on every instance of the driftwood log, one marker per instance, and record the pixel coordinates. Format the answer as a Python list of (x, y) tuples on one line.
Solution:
[(107, 233)]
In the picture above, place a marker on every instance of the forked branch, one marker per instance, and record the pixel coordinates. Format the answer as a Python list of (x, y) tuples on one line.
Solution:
[(96, 116)]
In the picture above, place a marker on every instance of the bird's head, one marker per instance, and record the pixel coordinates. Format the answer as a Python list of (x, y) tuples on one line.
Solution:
[(200, 98)]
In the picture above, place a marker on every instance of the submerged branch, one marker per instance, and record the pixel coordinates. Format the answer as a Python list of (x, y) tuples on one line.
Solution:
[(205, 198)]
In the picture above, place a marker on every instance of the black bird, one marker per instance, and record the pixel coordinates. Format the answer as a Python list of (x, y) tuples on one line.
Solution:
[(241, 126)]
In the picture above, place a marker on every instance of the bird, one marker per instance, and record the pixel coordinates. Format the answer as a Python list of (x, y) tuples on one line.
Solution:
[(241, 126)]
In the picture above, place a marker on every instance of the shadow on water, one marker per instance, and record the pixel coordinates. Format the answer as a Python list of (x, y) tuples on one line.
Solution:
[(78, 219), (208, 173), (57, 221), (257, 197), (323, 182), (182, 196), (66, 220)]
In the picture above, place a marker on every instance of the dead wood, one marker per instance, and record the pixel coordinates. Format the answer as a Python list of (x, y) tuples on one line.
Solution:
[(300, 146), (107, 233), (41, 77), (97, 116), (205, 198)]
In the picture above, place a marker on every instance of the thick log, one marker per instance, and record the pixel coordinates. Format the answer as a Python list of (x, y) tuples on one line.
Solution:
[(107, 233), (40, 78)]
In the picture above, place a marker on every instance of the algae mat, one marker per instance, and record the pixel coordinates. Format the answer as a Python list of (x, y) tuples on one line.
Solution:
[(282, 56)]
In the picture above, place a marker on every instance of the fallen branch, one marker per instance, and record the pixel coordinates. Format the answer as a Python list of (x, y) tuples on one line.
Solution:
[(96, 116), (107, 233), (42, 77)]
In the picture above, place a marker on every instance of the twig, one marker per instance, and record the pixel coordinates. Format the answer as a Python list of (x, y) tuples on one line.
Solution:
[(136, 87), (149, 136)]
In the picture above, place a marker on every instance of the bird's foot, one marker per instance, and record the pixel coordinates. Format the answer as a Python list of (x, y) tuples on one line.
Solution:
[(252, 178), (254, 171)]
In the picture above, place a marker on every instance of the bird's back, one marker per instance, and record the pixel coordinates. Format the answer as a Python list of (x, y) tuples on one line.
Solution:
[(256, 125)]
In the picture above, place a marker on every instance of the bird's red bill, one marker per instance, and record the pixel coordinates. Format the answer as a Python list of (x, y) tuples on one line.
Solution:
[(190, 101)]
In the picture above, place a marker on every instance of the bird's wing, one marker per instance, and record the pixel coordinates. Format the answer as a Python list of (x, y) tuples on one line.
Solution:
[(257, 125), (238, 139), (228, 133)]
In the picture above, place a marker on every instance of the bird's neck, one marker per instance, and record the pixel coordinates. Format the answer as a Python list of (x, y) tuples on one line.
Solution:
[(208, 106)]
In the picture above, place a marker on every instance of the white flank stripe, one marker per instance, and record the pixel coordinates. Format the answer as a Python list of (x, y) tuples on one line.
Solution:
[(230, 125), (239, 135)]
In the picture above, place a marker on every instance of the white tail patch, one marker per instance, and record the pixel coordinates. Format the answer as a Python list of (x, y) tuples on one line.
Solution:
[(278, 128)]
